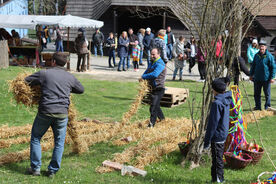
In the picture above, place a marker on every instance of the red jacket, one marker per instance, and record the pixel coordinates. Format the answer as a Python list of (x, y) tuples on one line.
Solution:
[(219, 51)]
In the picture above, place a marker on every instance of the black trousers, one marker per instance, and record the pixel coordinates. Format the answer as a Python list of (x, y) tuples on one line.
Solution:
[(202, 70), (191, 62), (155, 110), (217, 172), (135, 65), (81, 57)]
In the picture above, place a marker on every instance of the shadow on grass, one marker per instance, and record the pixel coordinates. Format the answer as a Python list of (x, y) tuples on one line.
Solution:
[(118, 98)]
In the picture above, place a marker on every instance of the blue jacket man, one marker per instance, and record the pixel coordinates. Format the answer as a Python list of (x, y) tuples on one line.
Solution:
[(262, 72), (155, 74), (217, 128)]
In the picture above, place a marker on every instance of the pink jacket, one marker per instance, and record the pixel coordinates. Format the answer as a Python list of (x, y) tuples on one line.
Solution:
[(219, 51)]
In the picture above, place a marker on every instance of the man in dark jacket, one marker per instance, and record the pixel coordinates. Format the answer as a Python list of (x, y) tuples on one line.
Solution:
[(218, 126), (155, 74), (81, 45), (98, 39), (170, 43), (262, 72), (110, 44), (238, 66), (147, 43), (132, 38), (56, 85)]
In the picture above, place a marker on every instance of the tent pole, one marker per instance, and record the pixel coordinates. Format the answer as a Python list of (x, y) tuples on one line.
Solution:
[(68, 31)]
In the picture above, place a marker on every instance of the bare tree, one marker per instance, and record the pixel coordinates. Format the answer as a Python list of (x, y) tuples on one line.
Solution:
[(208, 20)]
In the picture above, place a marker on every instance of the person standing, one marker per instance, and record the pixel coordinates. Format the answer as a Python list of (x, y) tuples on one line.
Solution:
[(252, 51), (132, 38), (262, 72), (179, 57), (98, 40), (141, 35), (59, 40), (135, 55), (156, 74), (191, 48), (123, 50), (81, 45), (201, 62), (159, 43), (56, 85), (170, 42), (238, 66), (218, 126), (147, 43), (110, 43)]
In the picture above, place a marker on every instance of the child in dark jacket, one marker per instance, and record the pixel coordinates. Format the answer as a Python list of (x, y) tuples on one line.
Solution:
[(218, 125)]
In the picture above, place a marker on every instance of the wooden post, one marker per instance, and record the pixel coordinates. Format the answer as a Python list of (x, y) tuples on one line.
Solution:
[(164, 20), (68, 62), (4, 54)]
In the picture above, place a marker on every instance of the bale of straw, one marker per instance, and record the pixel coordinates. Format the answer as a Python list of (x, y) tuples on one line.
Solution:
[(6, 131)]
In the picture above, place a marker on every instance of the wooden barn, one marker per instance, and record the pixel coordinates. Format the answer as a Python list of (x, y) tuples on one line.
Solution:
[(119, 15)]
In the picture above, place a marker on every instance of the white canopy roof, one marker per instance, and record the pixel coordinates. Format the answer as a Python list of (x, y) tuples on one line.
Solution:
[(30, 21)]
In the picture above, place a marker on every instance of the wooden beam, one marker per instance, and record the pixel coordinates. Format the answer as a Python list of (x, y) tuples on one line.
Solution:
[(164, 20)]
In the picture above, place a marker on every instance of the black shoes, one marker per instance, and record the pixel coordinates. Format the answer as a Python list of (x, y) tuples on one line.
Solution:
[(50, 174), (33, 172), (257, 109), (150, 125)]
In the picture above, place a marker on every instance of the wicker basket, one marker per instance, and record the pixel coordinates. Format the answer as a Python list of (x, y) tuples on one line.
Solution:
[(184, 148), (237, 163), (256, 156)]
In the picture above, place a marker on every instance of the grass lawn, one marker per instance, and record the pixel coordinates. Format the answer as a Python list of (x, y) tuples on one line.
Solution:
[(107, 101)]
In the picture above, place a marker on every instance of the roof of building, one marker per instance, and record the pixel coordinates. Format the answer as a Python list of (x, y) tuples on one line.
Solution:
[(268, 22)]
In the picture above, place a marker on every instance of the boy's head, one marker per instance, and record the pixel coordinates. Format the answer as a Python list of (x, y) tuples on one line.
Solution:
[(136, 42), (219, 84), (59, 59)]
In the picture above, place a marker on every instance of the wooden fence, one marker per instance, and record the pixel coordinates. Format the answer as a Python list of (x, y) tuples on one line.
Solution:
[(4, 54)]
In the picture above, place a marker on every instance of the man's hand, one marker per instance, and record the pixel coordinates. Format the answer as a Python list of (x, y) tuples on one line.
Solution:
[(140, 80), (251, 78), (272, 81)]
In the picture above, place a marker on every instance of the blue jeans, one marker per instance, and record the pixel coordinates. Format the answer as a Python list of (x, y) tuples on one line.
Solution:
[(59, 46), (122, 61), (148, 56), (128, 58), (169, 51), (40, 127), (111, 54), (258, 85), (141, 57), (180, 72), (100, 47)]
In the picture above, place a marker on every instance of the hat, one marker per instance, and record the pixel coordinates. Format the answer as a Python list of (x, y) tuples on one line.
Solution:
[(255, 41), (148, 29), (262, 42), (81, 30), (60, 58), (219, 84)]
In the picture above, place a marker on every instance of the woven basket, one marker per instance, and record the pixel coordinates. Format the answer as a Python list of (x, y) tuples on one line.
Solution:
[(256, 156), (184, 148), (237, 163)]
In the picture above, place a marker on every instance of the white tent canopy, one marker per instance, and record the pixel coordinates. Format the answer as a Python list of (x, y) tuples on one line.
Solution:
[(30, 21)]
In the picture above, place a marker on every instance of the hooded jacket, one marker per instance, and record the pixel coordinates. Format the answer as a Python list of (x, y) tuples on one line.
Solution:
[(263, 67), (251, 52), (218, 123)]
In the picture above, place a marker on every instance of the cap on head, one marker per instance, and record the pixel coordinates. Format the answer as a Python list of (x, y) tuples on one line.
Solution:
[(255, 41), (148, 29), (262, 42), (219, 85), (60, 58)]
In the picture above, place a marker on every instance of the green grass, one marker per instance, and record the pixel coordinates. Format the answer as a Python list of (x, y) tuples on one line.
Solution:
[(107, 101)]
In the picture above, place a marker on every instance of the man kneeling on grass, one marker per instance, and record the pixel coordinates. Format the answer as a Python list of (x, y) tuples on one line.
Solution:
[(218, 125), (56, 85), (155, 74)]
